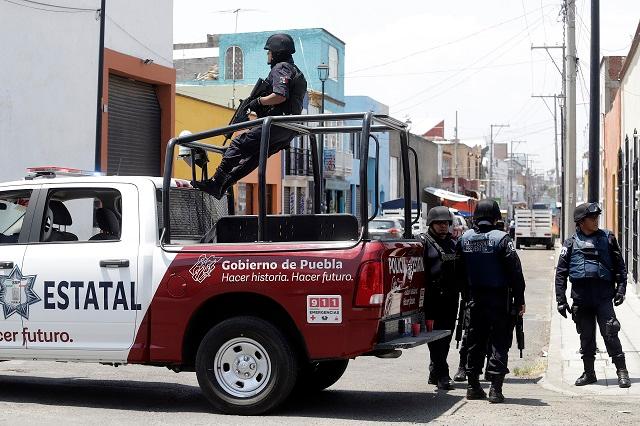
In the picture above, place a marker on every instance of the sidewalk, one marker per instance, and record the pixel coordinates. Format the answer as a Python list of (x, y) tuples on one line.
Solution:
[(565, 364)]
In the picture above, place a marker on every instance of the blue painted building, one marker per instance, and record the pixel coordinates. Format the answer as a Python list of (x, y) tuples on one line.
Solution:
[(364, 104)]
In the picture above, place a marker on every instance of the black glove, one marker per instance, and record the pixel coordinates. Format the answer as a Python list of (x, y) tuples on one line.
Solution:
[(563, 308), (254, 105), (618, 299)]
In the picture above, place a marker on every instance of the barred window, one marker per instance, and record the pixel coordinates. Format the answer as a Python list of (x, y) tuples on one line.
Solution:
[(233, 64)]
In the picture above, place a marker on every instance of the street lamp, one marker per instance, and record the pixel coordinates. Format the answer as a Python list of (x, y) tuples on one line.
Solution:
[(323, 75)]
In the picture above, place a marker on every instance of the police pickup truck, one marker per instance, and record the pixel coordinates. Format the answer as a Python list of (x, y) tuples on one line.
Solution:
[(91, 270)]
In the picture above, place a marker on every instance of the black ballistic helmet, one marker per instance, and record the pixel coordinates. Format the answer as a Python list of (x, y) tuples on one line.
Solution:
[(584, 210), (280, 44), (487, 210), (439, 213)]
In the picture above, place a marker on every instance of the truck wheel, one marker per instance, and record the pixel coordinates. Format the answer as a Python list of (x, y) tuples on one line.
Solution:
[(246, 366), (317, 376)]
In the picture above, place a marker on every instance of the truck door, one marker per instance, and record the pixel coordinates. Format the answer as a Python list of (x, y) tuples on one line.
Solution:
[(86, 262), (16, 285)]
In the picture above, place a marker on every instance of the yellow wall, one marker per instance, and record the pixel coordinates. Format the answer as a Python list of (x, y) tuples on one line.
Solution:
[(197, 116)]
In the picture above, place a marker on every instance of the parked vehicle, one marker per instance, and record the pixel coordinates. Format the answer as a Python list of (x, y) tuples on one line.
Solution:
[(386, 228), (142, 270), (533, 227)]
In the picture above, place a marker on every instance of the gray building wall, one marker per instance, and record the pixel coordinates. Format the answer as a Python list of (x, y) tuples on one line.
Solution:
[(427, 162)]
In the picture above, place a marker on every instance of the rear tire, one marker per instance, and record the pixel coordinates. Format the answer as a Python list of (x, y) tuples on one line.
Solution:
[(246, 366), (317, 376)]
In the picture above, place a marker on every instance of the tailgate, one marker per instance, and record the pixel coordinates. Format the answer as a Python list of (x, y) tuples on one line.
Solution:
[(403, 274)]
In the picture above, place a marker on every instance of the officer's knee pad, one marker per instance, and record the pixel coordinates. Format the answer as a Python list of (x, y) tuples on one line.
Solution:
[(612, 327)]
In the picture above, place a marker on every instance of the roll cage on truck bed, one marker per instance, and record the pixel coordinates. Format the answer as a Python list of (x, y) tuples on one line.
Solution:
[(269, 233)]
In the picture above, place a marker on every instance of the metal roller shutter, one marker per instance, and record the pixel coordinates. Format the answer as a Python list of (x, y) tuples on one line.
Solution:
[(134, 128)]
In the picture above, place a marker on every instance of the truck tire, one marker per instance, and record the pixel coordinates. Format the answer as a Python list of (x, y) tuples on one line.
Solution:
[(246, 366), (317, 376)]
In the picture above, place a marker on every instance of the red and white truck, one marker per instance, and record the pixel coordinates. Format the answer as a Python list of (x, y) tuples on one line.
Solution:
[(91, 270)]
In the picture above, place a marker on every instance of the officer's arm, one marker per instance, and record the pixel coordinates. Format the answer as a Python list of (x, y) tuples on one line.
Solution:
[(514, 269), (562, 272), (620, 270), (280, 77)]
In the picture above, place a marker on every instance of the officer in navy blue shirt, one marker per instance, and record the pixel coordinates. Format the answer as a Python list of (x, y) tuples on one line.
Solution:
[(288, 88), (592, 260), (494, 291)]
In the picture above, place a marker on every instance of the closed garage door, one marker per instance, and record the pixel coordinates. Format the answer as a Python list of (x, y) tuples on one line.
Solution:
[(134, 128)]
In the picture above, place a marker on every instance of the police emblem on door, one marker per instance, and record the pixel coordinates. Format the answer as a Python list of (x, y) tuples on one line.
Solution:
[(16, 293)]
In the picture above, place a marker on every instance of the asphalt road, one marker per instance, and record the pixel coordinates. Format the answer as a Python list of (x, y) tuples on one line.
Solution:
[(372, 390)]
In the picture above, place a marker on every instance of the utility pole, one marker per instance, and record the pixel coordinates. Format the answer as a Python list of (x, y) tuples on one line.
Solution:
[(555, 133), (511, 177), (569, 160), (455, 157), (491, 157), (594, 104), (98, 156)]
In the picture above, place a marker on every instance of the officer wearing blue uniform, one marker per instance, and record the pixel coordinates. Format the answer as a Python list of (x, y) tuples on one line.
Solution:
[(592, 260), (288, 88), (494, 285), (443, 290)]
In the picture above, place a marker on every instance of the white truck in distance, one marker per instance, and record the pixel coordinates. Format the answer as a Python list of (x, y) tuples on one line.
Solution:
[(534, 227)]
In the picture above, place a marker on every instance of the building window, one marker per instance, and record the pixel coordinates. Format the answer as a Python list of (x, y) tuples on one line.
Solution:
[(333, 63), (233, 64)]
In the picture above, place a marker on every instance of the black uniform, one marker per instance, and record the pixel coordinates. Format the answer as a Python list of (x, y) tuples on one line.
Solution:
[(596, 269), (494, 285), (242, 155), (442, 296)]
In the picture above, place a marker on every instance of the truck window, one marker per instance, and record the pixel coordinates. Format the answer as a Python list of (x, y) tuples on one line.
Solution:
[(13, 207), (81, 215)]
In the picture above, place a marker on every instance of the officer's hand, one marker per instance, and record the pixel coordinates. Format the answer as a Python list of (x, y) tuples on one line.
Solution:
[(618, 299), (254, 105), (523, 309), (563, 308)]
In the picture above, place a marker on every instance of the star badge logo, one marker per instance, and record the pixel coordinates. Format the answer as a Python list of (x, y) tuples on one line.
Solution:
[(16, 293)]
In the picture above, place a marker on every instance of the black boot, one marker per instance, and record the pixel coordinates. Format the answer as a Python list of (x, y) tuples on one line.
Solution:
[(432, 379), (461, 375), (444, 383), (495, 393), (217, 186), (589, 375), (474, 390), (621, 371)]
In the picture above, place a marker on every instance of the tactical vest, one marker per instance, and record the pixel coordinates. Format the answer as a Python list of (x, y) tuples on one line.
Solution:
[(590, 256), (480, 252), (439, 262), (297, 90)]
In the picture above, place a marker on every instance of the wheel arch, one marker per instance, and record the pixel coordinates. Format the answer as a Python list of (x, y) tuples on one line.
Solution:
[(228, 305)]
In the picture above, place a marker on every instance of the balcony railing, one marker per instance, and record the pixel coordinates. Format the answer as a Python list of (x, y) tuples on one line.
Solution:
[(297, 162)]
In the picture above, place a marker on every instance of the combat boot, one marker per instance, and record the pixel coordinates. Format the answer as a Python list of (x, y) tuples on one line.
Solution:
[(621, 371), (444, 383), (461, 375), (474, 390), (589, 374), (495, 393), (217, 186), (432, 379)]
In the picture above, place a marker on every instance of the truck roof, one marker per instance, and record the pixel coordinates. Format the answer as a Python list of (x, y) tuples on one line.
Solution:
[(157, 181)]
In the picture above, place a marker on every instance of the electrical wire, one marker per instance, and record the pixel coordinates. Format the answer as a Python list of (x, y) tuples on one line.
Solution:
[(170, 61), (50, 10), (396, 60), (57, 6)]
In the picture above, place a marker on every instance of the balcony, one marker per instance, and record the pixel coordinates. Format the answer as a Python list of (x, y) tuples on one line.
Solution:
[(297, 162), (338, 163)]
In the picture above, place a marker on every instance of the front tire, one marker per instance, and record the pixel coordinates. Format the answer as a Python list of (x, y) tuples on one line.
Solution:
[(317, 376), (246, 366)]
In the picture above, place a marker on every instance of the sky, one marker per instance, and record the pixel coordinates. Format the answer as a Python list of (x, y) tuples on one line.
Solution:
[(428, 59)]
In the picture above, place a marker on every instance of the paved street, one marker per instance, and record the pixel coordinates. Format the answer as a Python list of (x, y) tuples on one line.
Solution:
[(372, 390)]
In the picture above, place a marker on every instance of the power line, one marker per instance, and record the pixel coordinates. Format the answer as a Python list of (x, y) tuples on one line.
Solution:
[(445, 44), (84, 9), (138, 41), (50, 10)]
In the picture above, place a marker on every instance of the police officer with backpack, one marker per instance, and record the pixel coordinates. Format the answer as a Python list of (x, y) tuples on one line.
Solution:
[(592, 260), (288, 88), (494, 286), (443, 290)]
